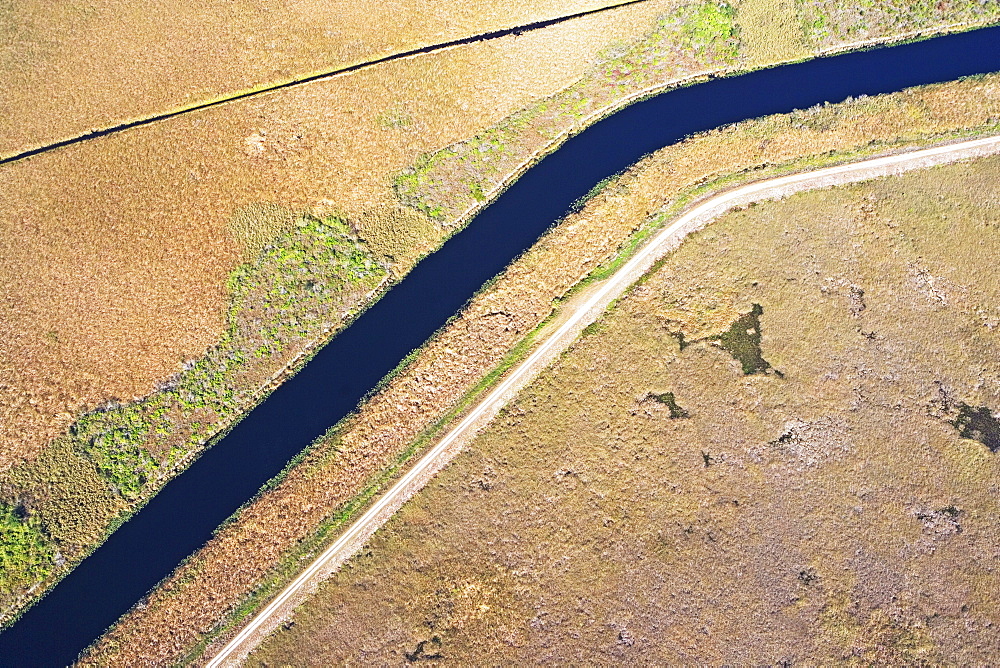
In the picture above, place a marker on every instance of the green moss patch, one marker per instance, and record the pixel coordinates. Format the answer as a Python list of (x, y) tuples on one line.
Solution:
[(25, 555), (742, 341)]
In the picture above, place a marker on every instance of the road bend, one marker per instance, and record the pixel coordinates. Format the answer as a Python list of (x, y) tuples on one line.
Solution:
[(551, 347)]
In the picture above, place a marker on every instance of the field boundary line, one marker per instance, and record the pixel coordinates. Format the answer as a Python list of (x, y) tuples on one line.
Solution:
[(309, 78), (695, 218)]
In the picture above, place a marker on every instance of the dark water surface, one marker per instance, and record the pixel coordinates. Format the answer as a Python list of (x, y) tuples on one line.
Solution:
[(183, 515)]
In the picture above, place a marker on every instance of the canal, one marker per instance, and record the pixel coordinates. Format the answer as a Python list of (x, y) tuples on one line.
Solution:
[(182, 517)]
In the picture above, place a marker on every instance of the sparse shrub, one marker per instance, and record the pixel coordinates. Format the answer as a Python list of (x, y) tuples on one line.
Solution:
[(25, 555), (293, 292)]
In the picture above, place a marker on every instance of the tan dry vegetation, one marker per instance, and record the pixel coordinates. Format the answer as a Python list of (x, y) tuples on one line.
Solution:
[(249, 550), (832, 515), (70, 67), (311, 151), (771, 31), (684, 45), (114, 253), (833, 25)]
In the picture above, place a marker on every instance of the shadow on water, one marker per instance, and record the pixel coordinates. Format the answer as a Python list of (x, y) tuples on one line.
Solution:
[(187, 510)]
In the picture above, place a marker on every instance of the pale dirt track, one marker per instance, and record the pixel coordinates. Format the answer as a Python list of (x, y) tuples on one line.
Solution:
[(581, 313)]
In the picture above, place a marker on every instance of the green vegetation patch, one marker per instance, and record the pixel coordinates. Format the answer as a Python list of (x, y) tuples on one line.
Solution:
[(827, 23), (25, 555), (742, 341), (978, 424), (668, 400), (117, 449), (297, 287), (64, 489), (709, 29), (693, 39)]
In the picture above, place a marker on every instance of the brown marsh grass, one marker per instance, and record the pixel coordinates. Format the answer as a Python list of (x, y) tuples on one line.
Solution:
[(832, 514), (71, 67), (117, 258), (264, 541), (115, 253)]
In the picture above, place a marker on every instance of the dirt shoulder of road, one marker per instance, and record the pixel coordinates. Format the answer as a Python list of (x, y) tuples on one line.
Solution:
[(262, 548), (578, 315), (779, 447)]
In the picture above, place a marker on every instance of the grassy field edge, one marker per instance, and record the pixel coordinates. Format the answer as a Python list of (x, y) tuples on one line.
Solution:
[(326, 533), (463, 221)]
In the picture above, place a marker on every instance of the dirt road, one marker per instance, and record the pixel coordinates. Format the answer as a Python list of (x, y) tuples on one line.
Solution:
[(583, 312)]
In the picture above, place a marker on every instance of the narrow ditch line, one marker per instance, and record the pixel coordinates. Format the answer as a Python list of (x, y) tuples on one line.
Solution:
[(433, 48)]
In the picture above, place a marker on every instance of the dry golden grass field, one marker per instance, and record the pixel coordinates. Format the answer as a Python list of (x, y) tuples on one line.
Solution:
[(130, 263), (70, 67), (779, 448), (258, 551), (136, 233), (136, 311)]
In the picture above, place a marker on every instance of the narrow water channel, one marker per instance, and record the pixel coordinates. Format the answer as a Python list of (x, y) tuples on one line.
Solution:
[(183, 515)]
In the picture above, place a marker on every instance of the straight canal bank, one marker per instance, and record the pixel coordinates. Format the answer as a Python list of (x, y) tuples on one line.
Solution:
[(184, 514)]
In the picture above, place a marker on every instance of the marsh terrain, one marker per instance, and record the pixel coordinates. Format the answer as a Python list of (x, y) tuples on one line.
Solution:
[(159, 282), (780, 447)]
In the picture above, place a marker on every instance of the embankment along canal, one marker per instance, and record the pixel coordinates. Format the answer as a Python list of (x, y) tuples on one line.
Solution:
[(182, 517)]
